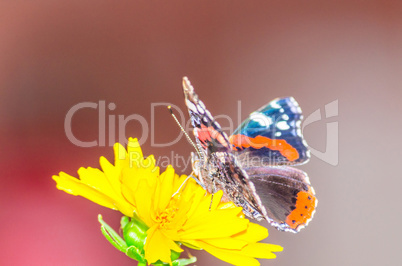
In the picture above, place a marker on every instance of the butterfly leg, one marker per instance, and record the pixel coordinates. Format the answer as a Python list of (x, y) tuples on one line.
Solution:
[(185, 182), (213, 192), (197, 180)]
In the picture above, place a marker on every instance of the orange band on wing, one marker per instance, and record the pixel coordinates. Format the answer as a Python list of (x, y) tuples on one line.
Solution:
[(242, 141), (305, 206), (206, 134)]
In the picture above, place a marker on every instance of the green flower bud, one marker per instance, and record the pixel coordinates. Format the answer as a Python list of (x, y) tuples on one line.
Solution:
[(135, 236), (134, 232)]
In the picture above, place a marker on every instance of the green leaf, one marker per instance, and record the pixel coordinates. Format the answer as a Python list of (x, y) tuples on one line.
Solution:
[(112, 236), (183, 262), (136, 254), (124, 221)]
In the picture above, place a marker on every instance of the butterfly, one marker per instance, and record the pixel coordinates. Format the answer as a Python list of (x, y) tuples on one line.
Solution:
[(253, 166)]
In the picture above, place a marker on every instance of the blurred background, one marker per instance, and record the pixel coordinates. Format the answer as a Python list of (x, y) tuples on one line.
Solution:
[(57, 54)]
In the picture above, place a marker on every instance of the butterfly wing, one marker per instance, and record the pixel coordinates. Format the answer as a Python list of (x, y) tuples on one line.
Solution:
[(217, 168), (287, 195), (265, 142), (271, 136), (207, 131)]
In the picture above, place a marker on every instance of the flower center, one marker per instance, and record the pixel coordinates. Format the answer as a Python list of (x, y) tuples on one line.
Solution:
[(165, 218)]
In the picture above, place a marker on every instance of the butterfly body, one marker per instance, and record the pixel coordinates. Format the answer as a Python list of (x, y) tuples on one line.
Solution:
[(220, 172), (250, 166)]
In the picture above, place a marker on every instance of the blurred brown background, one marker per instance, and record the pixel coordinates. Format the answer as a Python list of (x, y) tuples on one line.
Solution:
[(56, 54)]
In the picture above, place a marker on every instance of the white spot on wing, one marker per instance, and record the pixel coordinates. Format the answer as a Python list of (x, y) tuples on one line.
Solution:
[(282, 125), (295, 106), (307, 179), (278, 134), (274, 104), (191, 106), (293, 101), (202, 104), (305, 143), (285, 117), (261, 119), (201, 110)]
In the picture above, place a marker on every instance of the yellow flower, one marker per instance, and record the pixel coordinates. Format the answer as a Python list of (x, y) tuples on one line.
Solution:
[(174, 211)]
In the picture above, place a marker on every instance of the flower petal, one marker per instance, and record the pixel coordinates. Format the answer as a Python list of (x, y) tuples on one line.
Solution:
[(254, 233), (246, 255), (260, 250), (194, 195), (108, 186), (155, 247), (229, 256), (112, 173), (158, 246), (166, 192), (130, 178), (144, 195), (96, 179), (226, 243), (134, 153), (216, 199), (120, 156), (75, 187), (216, 224)]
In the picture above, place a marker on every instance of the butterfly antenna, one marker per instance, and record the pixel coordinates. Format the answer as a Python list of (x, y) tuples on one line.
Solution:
[(182, 129)]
